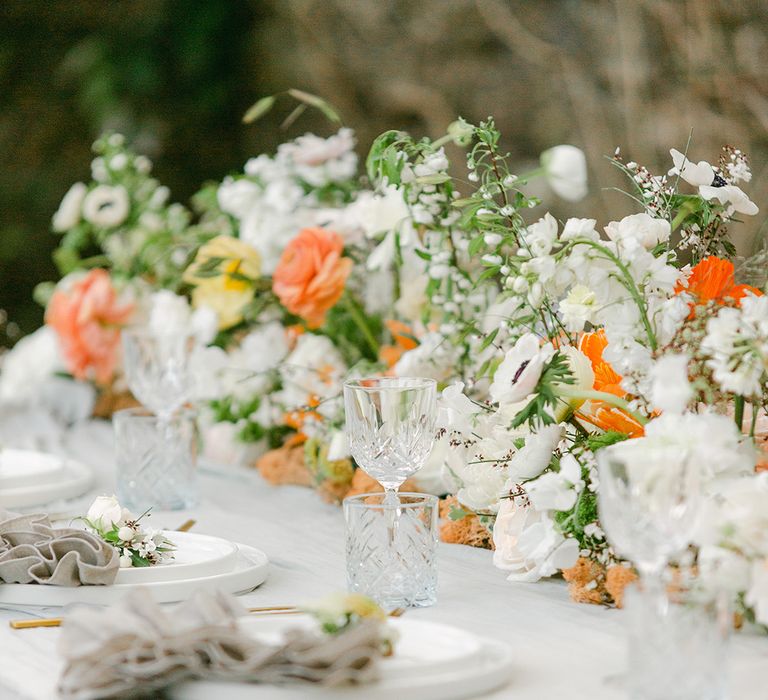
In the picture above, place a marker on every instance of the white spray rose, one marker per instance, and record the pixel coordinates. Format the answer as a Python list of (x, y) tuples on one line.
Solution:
[(68, 213), (640, 229), (104, 512), (106, 206)]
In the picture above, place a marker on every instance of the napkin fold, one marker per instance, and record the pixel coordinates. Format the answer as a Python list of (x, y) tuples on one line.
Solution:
[(33, 551), (136, 648)]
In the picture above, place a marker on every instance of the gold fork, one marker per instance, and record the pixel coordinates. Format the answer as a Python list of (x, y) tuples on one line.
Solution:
[(272, 610)]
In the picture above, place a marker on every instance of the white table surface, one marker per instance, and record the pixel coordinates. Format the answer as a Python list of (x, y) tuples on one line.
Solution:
[(563, 649)]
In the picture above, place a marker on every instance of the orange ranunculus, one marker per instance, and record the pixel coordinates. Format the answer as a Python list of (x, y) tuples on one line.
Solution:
[(599, 413), (404, 341), (713, 280), (87, 318), (311, 274)]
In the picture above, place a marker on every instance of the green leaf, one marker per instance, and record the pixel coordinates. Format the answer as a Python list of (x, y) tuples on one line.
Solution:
[(489, 339), (43, 293), (66, 260), (457, 513), (437, 179), (259, 109), (475, 245), (316, 102)]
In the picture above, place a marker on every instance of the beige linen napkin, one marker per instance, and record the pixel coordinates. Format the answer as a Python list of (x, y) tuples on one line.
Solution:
[(136, 648), (32, 551)]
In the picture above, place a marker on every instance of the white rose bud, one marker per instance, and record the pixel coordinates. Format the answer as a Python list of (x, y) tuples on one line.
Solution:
[(125, 533), (104, 512), (125, 561)]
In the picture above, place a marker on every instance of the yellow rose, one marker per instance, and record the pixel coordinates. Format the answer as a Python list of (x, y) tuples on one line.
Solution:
[(223, 274)]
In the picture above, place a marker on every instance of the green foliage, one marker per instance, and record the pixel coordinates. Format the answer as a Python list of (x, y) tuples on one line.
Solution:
[(537, 410)]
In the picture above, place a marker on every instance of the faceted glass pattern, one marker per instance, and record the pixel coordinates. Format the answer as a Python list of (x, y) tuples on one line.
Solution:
[(390, 425), (392, 549), (156, 460), (157, 368)]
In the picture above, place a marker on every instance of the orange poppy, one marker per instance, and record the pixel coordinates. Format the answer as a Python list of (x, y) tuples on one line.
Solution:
[(713, 279), (599, 413)]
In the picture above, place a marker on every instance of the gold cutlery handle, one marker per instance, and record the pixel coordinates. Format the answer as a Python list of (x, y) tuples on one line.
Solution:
[(29, 624)]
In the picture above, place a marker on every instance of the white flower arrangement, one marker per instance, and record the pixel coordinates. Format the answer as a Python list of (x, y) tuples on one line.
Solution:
[(138, 547)]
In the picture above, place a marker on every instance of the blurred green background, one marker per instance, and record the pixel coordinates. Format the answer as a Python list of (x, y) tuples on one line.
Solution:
[(176, 77)]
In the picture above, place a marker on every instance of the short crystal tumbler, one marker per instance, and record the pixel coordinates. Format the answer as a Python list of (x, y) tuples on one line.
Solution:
[(156, 460), (678, 646), (392, 549)]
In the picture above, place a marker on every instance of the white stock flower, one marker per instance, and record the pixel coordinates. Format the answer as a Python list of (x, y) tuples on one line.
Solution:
[(640, 229), (520, 371), (711, 441), (68, 213), (106, 206), (565, 168), (670, 389), (580, 228), (733, 198), (696, 174), (757, 595), (534, 457), (557, 490), (381, 212), (578, 308), (105, 512), (528, 544), (737, 342), (320, 161), (238, 196), (538, 238)]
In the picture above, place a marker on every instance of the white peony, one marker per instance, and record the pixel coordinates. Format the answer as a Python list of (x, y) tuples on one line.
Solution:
[(520, 370), (106, 206), (68, 213), (105, 512), (565, 168), (528, 544), (640, 229), (29, 365)]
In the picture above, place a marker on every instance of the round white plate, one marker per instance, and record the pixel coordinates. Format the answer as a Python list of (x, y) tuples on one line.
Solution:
[(195, 556), (31, 479), (250, 570), (24, 468), (431, 662)]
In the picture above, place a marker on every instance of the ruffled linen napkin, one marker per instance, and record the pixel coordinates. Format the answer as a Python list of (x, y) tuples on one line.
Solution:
[(33, 551), (136, 648)]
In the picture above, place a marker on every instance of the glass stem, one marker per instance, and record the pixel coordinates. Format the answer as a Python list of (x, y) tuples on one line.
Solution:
[(391, 503)]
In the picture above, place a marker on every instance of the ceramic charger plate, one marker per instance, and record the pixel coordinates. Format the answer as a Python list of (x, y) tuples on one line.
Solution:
[(201, 563), (29, 478), (431, 662)]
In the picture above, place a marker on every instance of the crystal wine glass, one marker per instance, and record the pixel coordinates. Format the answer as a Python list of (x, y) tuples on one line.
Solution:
[(157, 368), (650, 500), (391, 427)]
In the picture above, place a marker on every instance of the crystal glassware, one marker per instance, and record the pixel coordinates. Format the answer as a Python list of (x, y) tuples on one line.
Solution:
[(157, 368), (390, 426), (156, 459), (650, 501), (399, 571), (677, 651)]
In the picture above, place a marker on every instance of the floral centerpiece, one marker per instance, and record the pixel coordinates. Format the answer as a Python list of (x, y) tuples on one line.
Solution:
[(550, 340)]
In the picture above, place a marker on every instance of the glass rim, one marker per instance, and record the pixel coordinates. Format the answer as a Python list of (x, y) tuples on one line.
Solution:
[(139, 412), (379, 383), (419, 500)]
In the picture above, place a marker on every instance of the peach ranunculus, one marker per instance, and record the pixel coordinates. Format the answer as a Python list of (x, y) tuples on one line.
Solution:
[(311, 274), (87, 317)]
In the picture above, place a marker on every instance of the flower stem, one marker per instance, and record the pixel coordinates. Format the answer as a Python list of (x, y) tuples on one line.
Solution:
[(605, 397), (359, 318), (738, 415), (579, 427)]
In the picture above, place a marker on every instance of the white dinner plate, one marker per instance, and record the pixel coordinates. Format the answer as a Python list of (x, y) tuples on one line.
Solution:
[(250, 571), (29, 478), (431, 662), (195, 556)]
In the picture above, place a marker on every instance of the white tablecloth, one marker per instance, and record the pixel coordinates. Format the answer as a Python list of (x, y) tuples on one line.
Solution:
[(563, 649)]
